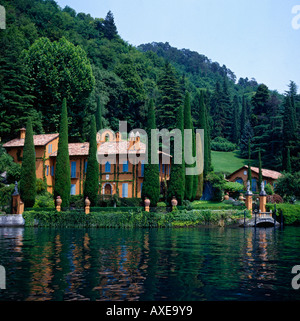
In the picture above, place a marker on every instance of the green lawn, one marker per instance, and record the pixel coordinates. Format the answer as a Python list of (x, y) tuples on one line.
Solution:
[(227, 162)]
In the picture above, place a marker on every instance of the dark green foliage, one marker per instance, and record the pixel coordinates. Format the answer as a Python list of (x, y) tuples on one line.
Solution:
[(235, 130), (288, 185), (260, 178), (12, 169), (130, 219), (170, 98), (28, 171), (288, 162), (291, 213), (62, 184), (246, 136), (177, 181), (59, 69), (222, 145), (195, 177), (188, 150), (218, 183), (249, 175), (151, 184), (109, 27), (260, 120), (91, 184), (99, 124)]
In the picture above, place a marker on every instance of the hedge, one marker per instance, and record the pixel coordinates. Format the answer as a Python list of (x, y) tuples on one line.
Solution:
[(291, 212), (141, 219)]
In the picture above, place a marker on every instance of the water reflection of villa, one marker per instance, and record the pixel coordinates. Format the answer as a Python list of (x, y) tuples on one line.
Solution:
[(128, 265)]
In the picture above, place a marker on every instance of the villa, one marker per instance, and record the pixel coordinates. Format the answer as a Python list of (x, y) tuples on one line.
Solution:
[(240, 176), (117, 174)]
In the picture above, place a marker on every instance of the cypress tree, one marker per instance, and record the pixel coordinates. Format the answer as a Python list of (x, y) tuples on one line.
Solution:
[(202, 123), (188, 124), (99, 124), (249, 178), (177, 176), (207, 142), (288, 162), (62, 184), (151, 185), (195, 177), (28, 170), (289, 138), (235, 120), (243, 117), (170, 98), (109, 26), (91, 184), (259, 171)]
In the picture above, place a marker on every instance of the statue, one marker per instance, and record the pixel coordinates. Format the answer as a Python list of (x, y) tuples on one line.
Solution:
[(16, 192), (248, 189), (262, 189), (248, 186)]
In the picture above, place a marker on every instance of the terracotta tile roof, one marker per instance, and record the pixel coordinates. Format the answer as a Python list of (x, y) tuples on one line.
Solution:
[(38, 140), (265, 172), (120, 147), (76, 149)]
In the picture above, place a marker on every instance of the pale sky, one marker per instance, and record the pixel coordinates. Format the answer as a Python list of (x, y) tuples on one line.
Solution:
[(252, 38)]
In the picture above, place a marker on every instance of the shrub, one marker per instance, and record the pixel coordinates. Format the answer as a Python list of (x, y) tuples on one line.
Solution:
[(131, 202), (77, 201), (130, 219), (218, 183), (288, 185), (269, 189), (233, 188), (161, 204), (43, 201), (222, 145), (275, 198), (41, 186), (5, 197), (291, 212)]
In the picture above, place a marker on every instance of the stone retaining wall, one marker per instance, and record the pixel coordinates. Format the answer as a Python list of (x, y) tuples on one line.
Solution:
[(12, 220)]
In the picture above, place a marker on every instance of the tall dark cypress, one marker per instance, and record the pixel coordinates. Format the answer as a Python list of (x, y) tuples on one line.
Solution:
[(170, 98), (260, 179), (177, 176), (188, 124), (91, 184), (288, 162), (99, 124), (249, 178), (235, 121), (195, 177), (151, 185), (201, 124), (28, 170), (62, 184)]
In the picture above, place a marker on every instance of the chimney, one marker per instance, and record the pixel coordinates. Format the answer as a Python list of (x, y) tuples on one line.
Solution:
[(131, 140), (22, 133), (138, 138)]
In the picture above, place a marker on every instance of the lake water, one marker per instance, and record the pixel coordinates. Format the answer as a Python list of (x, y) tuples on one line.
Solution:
[(149, 264)]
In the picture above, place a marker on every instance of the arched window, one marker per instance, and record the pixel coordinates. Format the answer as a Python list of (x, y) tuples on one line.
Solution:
[(107, 167), (107, 137), (239, 180), (254, 185)]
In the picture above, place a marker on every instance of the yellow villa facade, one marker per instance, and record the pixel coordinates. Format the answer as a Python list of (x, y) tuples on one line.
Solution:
[(117, 174)]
